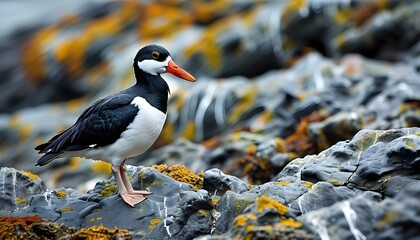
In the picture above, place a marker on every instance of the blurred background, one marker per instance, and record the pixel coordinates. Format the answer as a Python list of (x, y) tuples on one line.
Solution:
[(276, 80)]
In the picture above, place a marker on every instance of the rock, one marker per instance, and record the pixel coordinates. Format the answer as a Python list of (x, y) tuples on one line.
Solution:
[(33, 227), (323, 194), (215, 181), (365, 162), (267, 219), (17, 187), (174, 210), (362, 218)]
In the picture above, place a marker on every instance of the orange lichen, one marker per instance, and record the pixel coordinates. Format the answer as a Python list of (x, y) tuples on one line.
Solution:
[(265, 202), (34, 59), (252, 149), (32, 176), (300, 142), (182, 174), (153, 23), (10, 225), (101, 232), (71, 52)]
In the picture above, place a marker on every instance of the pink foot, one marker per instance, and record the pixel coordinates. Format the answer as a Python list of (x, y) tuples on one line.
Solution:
[(133, 198), (139, 192)]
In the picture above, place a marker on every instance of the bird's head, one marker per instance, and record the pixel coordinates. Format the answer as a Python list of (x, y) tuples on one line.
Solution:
[(155, 59)]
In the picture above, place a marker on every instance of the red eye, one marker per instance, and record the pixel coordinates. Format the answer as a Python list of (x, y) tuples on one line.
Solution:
[(155, 55)]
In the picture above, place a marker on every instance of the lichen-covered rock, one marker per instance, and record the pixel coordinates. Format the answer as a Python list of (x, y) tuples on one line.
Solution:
[(33, 227), (175, 210), (17, 187), (266, 218)]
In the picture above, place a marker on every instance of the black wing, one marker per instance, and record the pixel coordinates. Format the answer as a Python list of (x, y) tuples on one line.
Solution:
[(98, 126)]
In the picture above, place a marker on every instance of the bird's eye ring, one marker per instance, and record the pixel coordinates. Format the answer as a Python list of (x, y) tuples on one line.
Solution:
[(155, 54)]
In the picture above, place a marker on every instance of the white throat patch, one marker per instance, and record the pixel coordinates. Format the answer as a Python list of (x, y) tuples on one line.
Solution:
[(154, 67)]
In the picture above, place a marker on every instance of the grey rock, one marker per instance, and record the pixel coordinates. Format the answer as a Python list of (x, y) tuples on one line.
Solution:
[(362, 218), (324, 194), (365, 162), (215, 181), (17, 187), (175, 210)]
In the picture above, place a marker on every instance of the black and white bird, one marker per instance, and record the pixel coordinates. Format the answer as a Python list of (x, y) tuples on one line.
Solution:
[(122, 125)]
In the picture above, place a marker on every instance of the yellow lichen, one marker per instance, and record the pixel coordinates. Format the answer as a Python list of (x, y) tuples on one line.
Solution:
[(279, 145), (154, 222), (240, 221), (388, 217), (66, 209), (101, 167), (91, 219), (182, 174), (236, 136), (215, 201), (290, 223), (74, 163), (60, 194), (249, 228), (246, 101), (252, 149), (265, 202), (21, 200), (307, 184), (189, 131), (32, 176), (25, 131), (108, 190), (281, 183), (101, 232)]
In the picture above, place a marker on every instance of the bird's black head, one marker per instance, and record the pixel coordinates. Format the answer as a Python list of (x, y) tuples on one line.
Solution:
[(155, 59)]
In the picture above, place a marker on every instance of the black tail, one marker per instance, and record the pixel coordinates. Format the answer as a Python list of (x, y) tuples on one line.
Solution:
[(48, 157)]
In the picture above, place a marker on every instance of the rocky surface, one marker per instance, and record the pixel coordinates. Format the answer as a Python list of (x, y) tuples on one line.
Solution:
[(303, 123), (331, 195)]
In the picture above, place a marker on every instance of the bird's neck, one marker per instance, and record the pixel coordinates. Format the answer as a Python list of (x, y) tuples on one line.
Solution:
[(153, 88)]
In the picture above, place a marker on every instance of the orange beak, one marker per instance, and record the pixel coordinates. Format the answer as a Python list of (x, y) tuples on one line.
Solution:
[(179, 72)]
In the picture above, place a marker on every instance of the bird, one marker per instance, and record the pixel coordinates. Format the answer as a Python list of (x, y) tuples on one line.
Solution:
[(122, 125)]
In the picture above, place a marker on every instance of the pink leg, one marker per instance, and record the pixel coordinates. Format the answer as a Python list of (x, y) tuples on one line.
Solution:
[(126, 194), (127, 183)]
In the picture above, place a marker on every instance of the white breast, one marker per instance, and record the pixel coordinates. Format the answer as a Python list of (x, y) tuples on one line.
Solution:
[(138, 138)]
